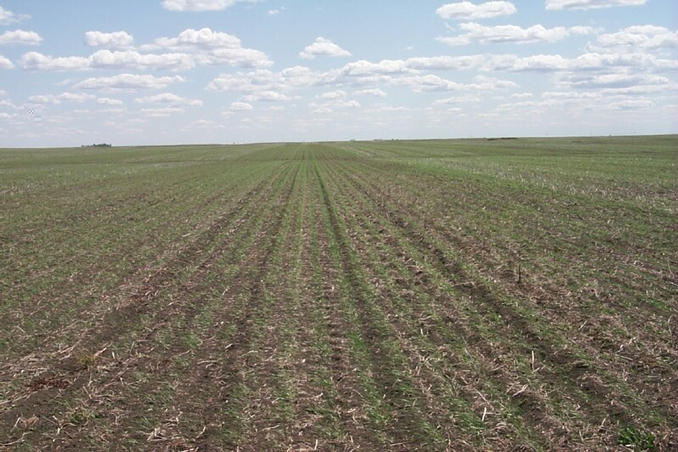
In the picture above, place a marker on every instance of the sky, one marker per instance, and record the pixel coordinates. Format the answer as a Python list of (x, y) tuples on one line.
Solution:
[(149, 72)]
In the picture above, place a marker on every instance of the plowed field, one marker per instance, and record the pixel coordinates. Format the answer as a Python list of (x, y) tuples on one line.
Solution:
[(393, 295)]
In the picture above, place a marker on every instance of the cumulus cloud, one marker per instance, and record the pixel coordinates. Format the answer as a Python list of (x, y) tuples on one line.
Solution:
[(131, 59), (475, 32), (198, 5), (268, 85), (115, 40), (43, 99), (589, 71), (367, 68), (323, 47), (35, 61), (616, 80), (431, 82), (639, 37), (446, 62), (371, 92), (338, 94), (7, 17), (332, 105), (22, 37), (161, 112), (75, 97), (168, 99), (204, 38), (289, 79), (107, 59), (585, 62), (590, 4), (109, 101), (266, 96), (246, 82), (5, 63), (186, 51), (57, 99), (212, 47), (456, 100), (470, 11), (590, 100), (241, 106), (631, 104), (128, 82)]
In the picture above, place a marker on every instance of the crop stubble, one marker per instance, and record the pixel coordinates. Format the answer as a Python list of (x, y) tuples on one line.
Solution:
[(383, 295)]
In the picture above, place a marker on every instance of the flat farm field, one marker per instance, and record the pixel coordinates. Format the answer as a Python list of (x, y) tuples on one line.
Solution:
[(386, 295)]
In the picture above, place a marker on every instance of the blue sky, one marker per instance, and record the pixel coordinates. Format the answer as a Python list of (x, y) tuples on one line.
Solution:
[(223, 71)]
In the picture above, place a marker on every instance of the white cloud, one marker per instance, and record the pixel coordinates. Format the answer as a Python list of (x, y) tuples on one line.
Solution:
[(43, 99), (616, 80), (64, 97), (115, 40), (367, 68), (584, 62), (5, 63), (590, 4), (470, 11), (298, 76), (643, 37), (128, 82), (323, 47), (241, 57), (131, 59), (241, 106), (107, 59), (197, 5), (570, 95), (273, 12), (213, 47), (631, 104), (267, 96), (371, 92), (464, 99), (168, 99), (268, 85), (204, 38), (35, 61), (446, 62), (248, 82), (75, 97), (347, 104), (511, 33), (430, 82), (203, 124), (597, 101), (109, 101), (262, 80), (161, 112), (8, 17), (338, 94), (22, 37), (371, 78), (332, 105), (8, 104), (189, 49)]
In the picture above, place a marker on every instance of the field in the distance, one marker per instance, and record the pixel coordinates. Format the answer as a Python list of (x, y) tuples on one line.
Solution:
[(375, 295)]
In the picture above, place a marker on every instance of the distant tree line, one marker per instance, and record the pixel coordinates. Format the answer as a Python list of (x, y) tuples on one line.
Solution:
[(100, 145)]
